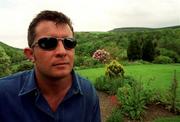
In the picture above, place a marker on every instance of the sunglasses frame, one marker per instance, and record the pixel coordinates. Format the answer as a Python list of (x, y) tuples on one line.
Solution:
[(72, 40)]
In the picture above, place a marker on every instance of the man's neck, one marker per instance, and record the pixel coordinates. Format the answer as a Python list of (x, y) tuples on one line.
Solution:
[(54, 90), (50, 86)]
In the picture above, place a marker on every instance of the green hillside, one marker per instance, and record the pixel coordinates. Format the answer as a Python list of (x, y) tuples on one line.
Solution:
[(135, 29), (131, 29), (115, 42), (15, 54)]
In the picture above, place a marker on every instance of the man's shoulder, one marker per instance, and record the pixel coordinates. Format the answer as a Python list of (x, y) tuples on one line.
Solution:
[(13, 80), (86, 86), (84, 82), (88, 90)]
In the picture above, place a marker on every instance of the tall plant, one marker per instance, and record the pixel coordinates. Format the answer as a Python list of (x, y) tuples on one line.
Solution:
[(173, 92)]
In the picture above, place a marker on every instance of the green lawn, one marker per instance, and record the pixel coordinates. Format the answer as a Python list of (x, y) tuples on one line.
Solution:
[(161, 74), (91, 73)]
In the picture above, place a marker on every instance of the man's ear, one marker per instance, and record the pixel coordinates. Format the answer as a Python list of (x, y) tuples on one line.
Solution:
[(28, 52)]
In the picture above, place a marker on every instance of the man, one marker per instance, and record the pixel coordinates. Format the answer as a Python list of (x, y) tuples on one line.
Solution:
[(51, 92)]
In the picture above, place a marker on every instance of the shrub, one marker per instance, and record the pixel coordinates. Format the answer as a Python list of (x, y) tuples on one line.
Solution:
[(141, 62), (133, 99), (111, 85), (101, 55), (171, 54), (114, 69), (162, 60)]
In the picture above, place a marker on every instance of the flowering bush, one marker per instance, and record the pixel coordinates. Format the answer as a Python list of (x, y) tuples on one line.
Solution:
[(114, 69), (101, 55)]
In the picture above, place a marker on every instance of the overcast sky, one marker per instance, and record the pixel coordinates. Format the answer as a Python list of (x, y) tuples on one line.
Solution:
[(86, 15)]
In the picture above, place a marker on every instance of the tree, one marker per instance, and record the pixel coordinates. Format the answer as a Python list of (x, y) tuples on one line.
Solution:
[(148, 50), (134, 50), (4, 63)]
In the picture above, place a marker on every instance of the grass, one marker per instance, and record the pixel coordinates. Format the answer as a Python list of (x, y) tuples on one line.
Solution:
[(160, 75), (91, 73)]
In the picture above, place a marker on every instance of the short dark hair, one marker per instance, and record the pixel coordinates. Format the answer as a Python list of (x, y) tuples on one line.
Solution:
[(48, 15)]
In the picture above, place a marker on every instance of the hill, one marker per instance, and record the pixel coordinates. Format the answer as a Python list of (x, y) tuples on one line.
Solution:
[(136, 29), (15, 54), (5, 46)]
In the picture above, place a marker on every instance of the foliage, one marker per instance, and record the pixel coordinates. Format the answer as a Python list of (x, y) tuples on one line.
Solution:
[(116, 116), (170, 39), (114, 69), (4, 63), (133, 99), (139, 62), (171, 54), (132, 102), (101, 55), (85, 62), (111, 85), (16, 55), (142, 46), (108, 85), (26, 65), (162, 60)]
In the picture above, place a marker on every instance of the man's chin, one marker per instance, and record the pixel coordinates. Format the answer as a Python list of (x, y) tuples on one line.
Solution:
[(61, 74)]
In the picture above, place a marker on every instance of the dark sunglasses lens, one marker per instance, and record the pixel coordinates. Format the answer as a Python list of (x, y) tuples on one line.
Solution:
[(69, 43), (48, 43)]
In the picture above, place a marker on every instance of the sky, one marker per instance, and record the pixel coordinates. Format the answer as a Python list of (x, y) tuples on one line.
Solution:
[(86, 15)]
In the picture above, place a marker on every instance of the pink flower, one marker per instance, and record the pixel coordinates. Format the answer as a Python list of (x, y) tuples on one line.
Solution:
[(101, 55)]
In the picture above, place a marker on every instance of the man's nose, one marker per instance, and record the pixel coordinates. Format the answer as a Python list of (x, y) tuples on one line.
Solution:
[(60, 49)]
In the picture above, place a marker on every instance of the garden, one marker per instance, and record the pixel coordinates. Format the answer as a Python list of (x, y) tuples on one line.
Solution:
[(156, 83)]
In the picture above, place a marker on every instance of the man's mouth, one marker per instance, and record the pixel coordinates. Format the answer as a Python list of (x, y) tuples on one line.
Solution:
[(60, 64)]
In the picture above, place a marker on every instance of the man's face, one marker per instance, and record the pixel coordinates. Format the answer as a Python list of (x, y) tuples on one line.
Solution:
[(56, 63)]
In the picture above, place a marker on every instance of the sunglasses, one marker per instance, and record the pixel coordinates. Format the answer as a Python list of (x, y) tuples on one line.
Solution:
[(50, 43)]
